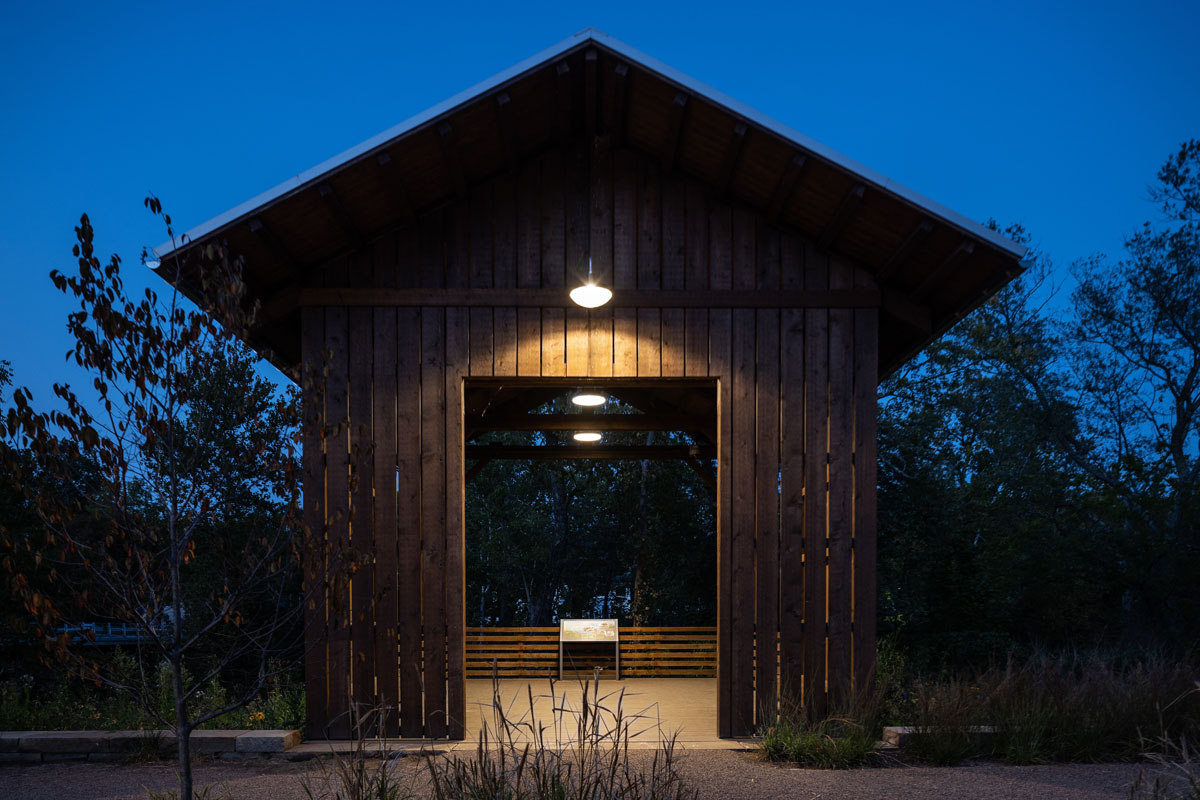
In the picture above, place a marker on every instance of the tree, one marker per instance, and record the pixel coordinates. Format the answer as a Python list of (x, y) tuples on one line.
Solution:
[(178, 506)]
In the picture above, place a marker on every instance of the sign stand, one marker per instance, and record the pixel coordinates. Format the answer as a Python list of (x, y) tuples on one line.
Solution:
[(590, 632)]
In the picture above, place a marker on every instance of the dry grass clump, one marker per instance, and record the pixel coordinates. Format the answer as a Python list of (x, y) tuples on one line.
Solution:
[(580, 753), (842, 738)]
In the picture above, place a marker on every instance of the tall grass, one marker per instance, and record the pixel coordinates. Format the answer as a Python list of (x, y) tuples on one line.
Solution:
[(1080, 706), (842, 738), (581, 752)]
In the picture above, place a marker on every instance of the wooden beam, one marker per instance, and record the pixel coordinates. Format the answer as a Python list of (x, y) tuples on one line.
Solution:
[(393, 184), (557, 298), (733, 157), (576, 422), (273, 243), (575, 452), (337, 209), (965, 248), (675, 132), (448, 142), (785, 187), (845, 212), (905, 251)]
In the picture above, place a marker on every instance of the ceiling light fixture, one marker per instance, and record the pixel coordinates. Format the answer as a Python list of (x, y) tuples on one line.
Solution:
[(587, 436), (590, 295), (589, 399)]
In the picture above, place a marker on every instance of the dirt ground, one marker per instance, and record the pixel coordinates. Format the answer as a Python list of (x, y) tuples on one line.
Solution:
[(716, 774)]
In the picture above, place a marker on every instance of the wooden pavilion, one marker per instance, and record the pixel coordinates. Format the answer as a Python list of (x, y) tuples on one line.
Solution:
[(417, 285)]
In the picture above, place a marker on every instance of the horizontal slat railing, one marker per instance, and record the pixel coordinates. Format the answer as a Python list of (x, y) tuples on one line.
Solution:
[(646, 652)]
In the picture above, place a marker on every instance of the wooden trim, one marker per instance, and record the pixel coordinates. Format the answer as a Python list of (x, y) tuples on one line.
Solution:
[(557, 298), (574, 422)]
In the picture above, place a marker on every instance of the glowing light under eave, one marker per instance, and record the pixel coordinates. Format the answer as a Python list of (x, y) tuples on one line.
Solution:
[(587, 437), (588, 399), (590, 295)]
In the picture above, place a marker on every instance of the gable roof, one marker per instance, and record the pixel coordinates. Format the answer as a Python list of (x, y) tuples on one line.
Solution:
[(932, 264)]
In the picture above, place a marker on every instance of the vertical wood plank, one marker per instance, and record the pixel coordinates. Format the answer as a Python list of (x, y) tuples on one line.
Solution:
[(649, 268), (866, 376), (456, 355), (600, 251), (673, 342), (481, 237), (624, 261), (742, 603), (408, 512), (338, 499), (791, 566), (577, 341), (791, 442), (433, 250), (482, 344), (554, 342), (721, 367), (433, 517), (766, 466), (385, 599), (649, 342), (529, 342), (504, 233), (528, 222), (841, 488), (505, 332), (316, 644), (816, 454), (361, 342)]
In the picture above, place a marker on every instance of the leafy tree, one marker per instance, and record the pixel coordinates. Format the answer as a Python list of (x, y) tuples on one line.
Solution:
[(175, 507)]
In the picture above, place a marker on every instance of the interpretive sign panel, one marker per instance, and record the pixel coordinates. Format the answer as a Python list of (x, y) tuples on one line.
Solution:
[(585, 636), (588, 630)]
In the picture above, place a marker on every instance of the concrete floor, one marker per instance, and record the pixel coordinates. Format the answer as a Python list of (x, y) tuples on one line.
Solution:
[(644, 709)]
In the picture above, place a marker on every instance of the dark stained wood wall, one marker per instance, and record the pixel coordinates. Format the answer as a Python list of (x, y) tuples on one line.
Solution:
[(796, 390)]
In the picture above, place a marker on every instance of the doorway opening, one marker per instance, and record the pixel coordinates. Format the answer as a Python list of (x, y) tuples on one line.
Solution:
[(619, 525)]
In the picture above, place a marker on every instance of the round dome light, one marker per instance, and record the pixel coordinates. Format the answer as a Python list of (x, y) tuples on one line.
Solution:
[(588, 399), (590, 295), (587, 437)]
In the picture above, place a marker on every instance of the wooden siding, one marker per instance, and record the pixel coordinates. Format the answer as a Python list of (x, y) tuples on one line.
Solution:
[(795, 392), (668, 652)]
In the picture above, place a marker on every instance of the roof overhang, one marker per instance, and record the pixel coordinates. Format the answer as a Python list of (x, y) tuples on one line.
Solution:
[(932, 265)]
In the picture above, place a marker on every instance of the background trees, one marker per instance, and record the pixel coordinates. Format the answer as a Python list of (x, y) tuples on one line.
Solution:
[(170, 501)]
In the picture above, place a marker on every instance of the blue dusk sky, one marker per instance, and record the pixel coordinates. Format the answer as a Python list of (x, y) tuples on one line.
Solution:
[(1052, 114)]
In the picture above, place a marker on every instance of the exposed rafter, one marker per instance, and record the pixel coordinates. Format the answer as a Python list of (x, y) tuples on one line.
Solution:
[(903, 309), (448, 142), (960, 254), (733, 156), (786, 187), (393, 184), (617, 98), (591, 60), (338, 211), (704, 470), (273, 243), (841, 218), (508, 132), (675, 132), (905, 251), (562, 99)]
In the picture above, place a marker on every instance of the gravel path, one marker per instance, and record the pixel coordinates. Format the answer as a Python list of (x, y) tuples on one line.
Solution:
[(717, 774)]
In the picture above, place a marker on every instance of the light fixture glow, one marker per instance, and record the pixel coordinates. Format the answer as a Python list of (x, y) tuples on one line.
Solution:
[(590, 295), (588, 399), (587, 436)]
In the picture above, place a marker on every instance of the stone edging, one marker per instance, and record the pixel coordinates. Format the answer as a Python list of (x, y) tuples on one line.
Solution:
[(48, 746)]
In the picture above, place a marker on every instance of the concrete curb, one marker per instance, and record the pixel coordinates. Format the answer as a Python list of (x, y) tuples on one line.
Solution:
[(31, 747)]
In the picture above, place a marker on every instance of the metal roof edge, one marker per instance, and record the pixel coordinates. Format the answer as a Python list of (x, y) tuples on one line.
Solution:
[(882, 182)]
